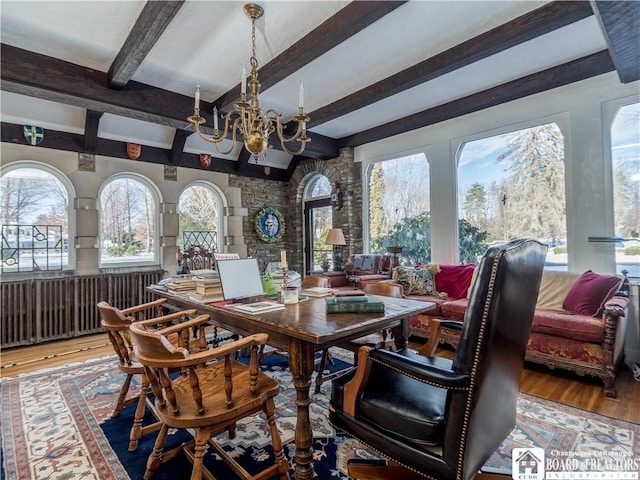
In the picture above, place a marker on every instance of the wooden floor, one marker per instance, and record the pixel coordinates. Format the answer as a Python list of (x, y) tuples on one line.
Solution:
[(558, 386)]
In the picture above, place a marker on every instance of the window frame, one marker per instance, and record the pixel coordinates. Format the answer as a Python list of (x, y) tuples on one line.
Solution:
[(157, 199), (71, 216)]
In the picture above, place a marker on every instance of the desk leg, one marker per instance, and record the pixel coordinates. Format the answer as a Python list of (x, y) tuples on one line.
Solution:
[(301, 363), (401, 334)]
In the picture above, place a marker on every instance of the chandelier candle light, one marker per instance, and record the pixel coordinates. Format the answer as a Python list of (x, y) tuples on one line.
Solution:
[(247, 118)]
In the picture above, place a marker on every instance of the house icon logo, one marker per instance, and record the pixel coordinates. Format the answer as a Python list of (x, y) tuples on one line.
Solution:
[(527, 464)]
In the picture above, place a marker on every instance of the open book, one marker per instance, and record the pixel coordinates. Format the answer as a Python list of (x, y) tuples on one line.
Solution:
[(317, 292), (258, 307)]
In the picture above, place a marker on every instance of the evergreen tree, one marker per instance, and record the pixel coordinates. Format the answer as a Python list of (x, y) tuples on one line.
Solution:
[(377, 218), (535, 200), (475, 206)]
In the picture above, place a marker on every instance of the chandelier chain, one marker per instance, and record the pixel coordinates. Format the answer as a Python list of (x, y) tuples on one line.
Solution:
[(247, 118)]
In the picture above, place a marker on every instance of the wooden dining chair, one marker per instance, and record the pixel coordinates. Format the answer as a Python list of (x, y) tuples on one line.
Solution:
[(382, 339), (213, 393), (311, 281), (116, 322)]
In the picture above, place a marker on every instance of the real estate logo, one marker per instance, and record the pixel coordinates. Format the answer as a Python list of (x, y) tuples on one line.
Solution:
[(527, 464)]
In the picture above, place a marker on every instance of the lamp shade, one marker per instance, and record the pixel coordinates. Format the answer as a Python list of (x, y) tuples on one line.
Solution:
[(335, 237)]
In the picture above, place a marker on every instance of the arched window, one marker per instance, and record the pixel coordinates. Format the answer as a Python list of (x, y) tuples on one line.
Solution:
[(200, 208), (35, 218), (318, 219), (512, 186), (399, 204), (625, 158), (128, 221)]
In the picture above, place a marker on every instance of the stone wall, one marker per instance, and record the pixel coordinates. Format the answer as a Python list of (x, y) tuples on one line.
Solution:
[(287, 197)]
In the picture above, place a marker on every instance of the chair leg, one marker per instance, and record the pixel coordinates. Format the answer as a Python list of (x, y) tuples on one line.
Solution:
[(283, 465), (121, 402), (320, 375), (155, 458), (136, 429), (202, 436)]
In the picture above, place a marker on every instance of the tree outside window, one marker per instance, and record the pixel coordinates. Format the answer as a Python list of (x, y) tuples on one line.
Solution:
[(625, 156), (512, 186), (127, 222), (198, 209), (34, 216), (399, 208)]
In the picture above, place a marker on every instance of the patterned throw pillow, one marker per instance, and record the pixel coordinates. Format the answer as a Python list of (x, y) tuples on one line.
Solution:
[(416, 281)]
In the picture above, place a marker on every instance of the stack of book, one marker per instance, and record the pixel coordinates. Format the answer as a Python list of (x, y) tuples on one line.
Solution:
[(208, 289), (355, 304), (181, 285)]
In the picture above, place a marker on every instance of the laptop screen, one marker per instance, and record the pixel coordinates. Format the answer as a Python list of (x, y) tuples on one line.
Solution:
[(240, 278)]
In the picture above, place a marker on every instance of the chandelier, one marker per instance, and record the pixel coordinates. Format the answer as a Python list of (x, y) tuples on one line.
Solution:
[(247, 118)]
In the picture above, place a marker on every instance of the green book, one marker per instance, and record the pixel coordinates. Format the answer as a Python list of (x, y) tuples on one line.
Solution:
[(372, 305)]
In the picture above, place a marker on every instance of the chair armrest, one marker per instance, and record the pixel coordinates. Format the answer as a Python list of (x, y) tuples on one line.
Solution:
[(423, 372), (426, 373), (170, 318), (197, 358), (435, 326), (144, 306)]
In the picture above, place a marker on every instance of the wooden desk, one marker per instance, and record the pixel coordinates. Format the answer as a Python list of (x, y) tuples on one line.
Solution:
[(302, 329)]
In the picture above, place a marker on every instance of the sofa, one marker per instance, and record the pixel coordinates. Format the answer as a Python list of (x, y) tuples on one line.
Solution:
[(579, 323), (364, 268)]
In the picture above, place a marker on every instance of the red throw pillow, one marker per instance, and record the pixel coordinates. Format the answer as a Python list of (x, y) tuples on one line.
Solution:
[(590, 292), (454, 280)]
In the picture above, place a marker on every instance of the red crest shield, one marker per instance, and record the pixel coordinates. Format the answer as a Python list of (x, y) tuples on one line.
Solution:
[(134, 150), (205, 160)]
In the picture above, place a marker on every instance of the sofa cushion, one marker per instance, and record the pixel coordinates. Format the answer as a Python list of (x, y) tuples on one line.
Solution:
[(582, 328), (416, 281), (590, 292), (454, 280), (455, 308), (554, 287), (439, 301)]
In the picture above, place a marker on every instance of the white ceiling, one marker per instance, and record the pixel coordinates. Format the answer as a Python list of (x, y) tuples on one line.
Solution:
[(208, 42)]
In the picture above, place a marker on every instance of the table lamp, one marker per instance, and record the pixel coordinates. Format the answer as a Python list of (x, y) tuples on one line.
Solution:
[(335, 237)]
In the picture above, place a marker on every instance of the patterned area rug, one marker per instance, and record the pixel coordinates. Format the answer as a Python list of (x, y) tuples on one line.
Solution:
[(56, 425)]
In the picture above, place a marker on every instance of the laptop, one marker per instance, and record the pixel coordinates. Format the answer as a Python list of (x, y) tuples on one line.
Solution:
[(240, 279)]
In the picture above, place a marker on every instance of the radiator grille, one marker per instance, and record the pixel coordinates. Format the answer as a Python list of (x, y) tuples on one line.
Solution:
[(38, 310)]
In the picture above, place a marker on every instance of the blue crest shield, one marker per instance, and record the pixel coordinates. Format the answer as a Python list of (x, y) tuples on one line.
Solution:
[(32, 134)]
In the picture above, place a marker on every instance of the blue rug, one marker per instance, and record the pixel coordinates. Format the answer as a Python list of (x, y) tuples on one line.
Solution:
[(252, 446)]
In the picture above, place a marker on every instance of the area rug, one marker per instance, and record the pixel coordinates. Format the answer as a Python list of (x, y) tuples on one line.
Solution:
[(56, 425)]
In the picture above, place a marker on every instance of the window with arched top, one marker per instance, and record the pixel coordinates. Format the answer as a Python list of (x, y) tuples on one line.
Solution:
[(128, 210), (625, 159), (513, 186), (318, 220), (200, 210), (35, 218), (399, 208)]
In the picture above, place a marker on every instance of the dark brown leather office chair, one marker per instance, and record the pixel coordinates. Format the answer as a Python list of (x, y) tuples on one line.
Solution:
[(440, 418)]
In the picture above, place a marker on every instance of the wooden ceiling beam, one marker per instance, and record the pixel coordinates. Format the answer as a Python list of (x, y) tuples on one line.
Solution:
[(620, 23), (72, 142), (353, 18), (91, 125), (545, 19), (149, 27), (586, 67), (35, 75)]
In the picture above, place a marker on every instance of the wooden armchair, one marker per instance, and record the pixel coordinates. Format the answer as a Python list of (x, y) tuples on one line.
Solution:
[(438, 418), (117, 322), (209, 397)]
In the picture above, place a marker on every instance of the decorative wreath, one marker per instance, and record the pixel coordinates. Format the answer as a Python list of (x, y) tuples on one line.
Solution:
[(269, 224)]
